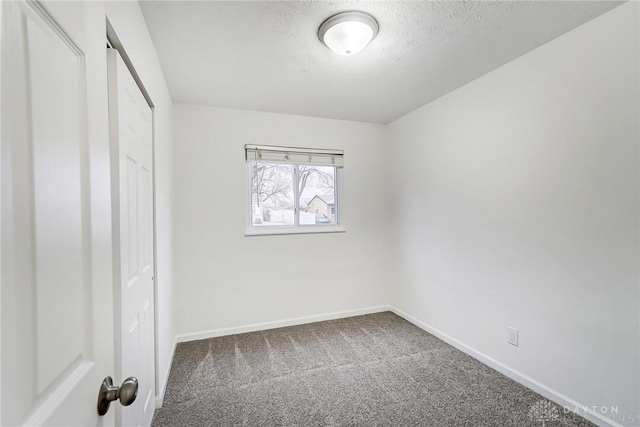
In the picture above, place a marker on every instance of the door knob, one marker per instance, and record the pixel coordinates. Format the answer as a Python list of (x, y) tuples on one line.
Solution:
[(127, 393)]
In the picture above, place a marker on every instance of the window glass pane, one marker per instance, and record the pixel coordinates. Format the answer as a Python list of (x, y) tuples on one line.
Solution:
[(317, 201), (272, 199)]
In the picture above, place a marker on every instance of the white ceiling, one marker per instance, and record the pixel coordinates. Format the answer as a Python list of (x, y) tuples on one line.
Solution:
[(266, 55)]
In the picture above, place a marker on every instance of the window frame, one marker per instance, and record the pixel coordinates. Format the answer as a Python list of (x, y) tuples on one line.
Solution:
[(296, 228)]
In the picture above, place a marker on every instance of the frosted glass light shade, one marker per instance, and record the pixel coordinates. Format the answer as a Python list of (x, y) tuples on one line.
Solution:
[(348, 33)]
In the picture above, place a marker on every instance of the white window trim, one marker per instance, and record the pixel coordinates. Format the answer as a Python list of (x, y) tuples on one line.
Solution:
[(301, 229), (292, 229)]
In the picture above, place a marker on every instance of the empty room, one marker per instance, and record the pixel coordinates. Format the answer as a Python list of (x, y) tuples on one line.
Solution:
[(320, 213)]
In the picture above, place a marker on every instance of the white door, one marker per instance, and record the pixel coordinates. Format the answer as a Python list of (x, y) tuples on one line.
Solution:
[(132, 183), (56, 282)]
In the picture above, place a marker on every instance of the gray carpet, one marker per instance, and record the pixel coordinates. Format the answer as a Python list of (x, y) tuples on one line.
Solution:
[(373, 370)]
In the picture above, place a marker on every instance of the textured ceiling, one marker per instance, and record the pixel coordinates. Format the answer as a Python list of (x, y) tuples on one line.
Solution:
[(266, 55)]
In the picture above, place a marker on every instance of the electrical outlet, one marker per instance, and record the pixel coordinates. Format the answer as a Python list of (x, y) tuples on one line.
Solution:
[(512, 336)]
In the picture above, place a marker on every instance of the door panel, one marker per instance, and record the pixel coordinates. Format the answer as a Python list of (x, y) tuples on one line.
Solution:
[(131, 129), (56, 145), (130, 225), (50, 369)]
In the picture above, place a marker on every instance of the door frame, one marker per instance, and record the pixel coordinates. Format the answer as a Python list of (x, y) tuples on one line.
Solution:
[(1, 207), (113, 41)]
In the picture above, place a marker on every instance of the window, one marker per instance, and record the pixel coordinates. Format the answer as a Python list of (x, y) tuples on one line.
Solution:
[(292, 189)]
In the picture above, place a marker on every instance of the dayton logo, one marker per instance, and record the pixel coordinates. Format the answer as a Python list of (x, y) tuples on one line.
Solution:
[(544, 411)]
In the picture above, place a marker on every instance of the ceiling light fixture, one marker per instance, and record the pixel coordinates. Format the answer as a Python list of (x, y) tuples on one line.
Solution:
[(348, 33)]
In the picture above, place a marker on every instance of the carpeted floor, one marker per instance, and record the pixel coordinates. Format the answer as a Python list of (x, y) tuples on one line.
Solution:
[(373, 370)]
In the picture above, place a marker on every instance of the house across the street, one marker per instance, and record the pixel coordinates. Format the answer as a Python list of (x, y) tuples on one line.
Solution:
[(324, 205)]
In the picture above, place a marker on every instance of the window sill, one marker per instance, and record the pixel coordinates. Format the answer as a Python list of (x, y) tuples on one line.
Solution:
[(314, 229)]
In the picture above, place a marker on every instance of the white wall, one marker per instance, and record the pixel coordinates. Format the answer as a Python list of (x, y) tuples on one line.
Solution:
[(128, 22), (517, 205), (229, 280)]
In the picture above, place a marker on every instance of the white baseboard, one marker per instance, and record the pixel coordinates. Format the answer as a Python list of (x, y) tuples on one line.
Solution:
[(163, 386), (517, 376), (279, 323)]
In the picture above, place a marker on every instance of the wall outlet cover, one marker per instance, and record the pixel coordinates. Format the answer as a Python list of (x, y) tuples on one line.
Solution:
[(512, 336)]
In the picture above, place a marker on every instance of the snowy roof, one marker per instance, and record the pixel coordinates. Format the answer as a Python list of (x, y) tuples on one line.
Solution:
[(327, 199)]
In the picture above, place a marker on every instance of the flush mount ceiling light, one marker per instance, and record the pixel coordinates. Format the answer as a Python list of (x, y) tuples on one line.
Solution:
[(347, 33)]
